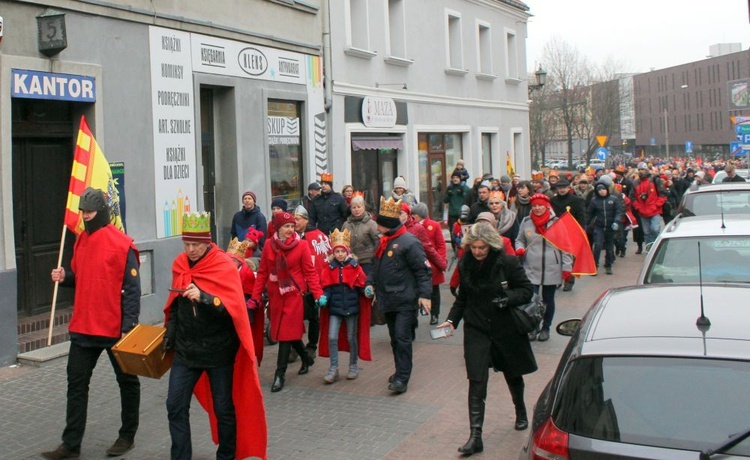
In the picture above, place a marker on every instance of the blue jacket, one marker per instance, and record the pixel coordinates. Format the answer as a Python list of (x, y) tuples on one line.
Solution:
[(342, 300), (243, 220)]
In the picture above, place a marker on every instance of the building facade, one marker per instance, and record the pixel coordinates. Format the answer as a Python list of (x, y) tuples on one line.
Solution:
[(410, 99), (191, 102)]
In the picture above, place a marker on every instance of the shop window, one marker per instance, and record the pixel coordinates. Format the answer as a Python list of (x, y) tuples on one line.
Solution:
[(511, 53), (438, 154), (285, 150), (486, 153), (454, 57), (373, 172)]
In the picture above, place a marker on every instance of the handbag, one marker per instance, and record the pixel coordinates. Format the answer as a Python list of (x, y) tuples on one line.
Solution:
[(377, 317), (528, 317), (309, 306)]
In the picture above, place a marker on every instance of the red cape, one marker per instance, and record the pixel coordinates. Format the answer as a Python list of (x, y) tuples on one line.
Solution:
[(567, 235), (354, 278), (248, 283), (217, 275)]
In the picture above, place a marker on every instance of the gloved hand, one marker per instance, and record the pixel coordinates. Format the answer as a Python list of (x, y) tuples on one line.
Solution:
[(501, 301), (615, 226), (566, 276), (252, 304), (322, 301), (166, 345), (520, 252), (369, 292), (454, 291)]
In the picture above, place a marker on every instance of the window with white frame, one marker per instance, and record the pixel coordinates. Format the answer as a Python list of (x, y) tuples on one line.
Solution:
[(484, 48), (358, 28), (396, 29), (511, 53), (454, 46)]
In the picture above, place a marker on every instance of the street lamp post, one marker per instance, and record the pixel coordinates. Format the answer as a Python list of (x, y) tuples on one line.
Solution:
[(540, 77)]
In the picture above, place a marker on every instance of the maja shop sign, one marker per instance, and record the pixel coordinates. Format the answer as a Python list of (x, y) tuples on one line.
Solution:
[(379, 112)]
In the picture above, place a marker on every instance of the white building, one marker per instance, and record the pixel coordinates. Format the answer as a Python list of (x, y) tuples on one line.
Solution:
[(414, 86)]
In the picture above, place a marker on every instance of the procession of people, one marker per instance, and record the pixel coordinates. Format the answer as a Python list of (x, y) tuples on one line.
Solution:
[(326, 269)]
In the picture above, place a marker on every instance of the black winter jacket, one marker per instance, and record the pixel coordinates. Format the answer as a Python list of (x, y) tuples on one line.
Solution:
[(328, 212), (402, 275), (560, 203), (604, 211), (490, 335)]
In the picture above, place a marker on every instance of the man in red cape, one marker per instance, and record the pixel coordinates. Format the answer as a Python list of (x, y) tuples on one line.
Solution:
[(208, 327)]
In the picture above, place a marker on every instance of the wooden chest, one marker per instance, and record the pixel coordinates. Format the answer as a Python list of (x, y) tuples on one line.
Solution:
[(140, 353)]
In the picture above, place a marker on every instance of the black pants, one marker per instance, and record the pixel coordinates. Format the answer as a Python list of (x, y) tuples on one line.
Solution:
[(401, 325), (313, 329), (285, 347), (81, 363), (435, 300)]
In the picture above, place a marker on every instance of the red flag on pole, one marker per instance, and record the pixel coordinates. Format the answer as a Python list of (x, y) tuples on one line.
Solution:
[(567, 235), (90, 169)]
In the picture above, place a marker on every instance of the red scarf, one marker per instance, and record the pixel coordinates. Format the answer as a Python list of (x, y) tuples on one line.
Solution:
[(281, 270), (385, 239), (540, 222)]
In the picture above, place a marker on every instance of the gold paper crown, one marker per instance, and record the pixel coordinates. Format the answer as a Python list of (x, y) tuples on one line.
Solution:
[(339, 238), (537, 175), (194, 222), (358, 194), (497, 194), (326, 177), (238, 248), (390, 207)]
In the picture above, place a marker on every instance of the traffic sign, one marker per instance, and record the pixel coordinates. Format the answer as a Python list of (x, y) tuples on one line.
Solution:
[(688, 146), (601, 153), (601, 140), (653, 141)]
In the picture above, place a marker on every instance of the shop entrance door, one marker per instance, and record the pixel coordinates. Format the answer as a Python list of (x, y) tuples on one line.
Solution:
[(42, 158), (436, 186), (373, 172)]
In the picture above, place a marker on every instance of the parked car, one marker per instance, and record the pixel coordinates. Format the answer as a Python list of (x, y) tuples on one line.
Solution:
[(724, 251), (594, 162), (559, 164), (743, 173), (640, 379), (731, 198)]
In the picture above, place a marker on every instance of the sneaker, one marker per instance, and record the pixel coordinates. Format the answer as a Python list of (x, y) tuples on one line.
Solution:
[(120, 447), (543, 336), (353, 372), (397, 387), (61, 453), (332, 375), (608, 270), (567, 287)]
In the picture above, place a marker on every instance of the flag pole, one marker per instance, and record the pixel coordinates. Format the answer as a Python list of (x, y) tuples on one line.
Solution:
[(57, 284)]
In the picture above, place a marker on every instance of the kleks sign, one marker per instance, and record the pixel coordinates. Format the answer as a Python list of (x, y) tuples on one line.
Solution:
[(56, 86)]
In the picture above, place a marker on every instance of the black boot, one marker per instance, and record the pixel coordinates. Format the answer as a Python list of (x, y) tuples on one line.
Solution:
[(307, 362), (278, 381), (640, 249), (476, 419), (516, 387)]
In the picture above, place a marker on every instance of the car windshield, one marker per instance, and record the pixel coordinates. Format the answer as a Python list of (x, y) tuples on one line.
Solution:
[(731, 201), (723, 260), (677, 403)]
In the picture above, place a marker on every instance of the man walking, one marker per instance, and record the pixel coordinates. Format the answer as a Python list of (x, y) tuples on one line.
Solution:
[(107, 302), (455, 195), (329, 209), (401, 281), (648, 198)]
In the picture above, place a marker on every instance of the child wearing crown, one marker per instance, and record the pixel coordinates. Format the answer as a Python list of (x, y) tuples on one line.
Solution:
[(343, 282)]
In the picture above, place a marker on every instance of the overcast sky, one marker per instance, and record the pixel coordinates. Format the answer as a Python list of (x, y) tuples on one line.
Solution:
[(642, 34)]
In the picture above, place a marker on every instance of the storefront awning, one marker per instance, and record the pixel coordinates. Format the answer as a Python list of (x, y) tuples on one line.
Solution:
[(377, 143)]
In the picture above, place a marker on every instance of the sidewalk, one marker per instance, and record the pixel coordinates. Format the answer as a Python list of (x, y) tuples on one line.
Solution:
[(309, 419)]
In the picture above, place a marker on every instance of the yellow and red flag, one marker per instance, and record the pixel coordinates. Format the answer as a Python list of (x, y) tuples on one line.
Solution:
[(509, 165), (90, 169), (567, 235)]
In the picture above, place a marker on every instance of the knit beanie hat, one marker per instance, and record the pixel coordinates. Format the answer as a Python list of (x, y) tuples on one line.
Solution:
[(540, 198), (420, 209), (282, 218), (279, 203), (251, 194), (399, 182)]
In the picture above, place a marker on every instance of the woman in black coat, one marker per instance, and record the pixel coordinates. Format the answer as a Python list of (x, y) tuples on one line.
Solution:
[(492, 283)]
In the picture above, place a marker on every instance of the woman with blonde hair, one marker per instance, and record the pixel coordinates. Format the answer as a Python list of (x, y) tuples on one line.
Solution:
[(492, 283)]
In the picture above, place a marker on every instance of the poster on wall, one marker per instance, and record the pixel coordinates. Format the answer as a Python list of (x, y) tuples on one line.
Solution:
[(174, 129), (118, 176)]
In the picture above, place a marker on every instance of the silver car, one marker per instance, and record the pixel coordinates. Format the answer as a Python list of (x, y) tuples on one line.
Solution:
[(640, 379), (724, 251)]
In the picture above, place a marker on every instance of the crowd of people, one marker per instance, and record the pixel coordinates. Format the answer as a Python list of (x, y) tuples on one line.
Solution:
[(342, 268)]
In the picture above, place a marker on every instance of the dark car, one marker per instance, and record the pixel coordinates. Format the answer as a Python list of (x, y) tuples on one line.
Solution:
[(640, 379)]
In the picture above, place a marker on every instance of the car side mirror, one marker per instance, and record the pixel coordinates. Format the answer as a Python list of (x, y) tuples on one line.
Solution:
[(568, 327)]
